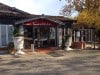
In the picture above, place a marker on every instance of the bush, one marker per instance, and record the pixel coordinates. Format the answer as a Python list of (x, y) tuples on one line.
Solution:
[(10, 45)]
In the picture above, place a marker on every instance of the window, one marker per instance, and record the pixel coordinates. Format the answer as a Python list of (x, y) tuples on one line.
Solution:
[(85, 35), (3, 35), (6, 34), (10, 33), (88, 35)]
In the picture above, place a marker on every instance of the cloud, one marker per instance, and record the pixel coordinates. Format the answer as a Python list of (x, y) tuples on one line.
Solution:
[(26, 5), (48, 7)]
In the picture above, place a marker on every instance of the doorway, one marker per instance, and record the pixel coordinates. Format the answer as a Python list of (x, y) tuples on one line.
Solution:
[(43, 36)]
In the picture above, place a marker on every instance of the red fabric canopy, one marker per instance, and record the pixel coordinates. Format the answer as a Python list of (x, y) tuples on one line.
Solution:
[(40, 22)]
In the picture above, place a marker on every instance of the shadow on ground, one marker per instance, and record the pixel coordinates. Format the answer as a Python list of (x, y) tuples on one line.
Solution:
[(86, 63), (55, 54)]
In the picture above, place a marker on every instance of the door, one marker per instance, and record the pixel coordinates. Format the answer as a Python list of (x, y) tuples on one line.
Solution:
[(44, 36)]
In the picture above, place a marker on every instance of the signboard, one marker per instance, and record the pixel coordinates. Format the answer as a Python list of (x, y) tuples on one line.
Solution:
[(40, 22)]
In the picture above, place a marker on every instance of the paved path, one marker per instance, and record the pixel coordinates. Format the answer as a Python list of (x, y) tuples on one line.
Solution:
[(55, 63)]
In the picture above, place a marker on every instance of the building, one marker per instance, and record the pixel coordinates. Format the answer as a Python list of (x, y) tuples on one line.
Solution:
[(8, 16), (45, 31), (41, 30), (45, 27)]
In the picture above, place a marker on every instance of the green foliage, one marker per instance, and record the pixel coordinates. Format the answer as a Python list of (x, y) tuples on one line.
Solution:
[(79, 5), (89, 18), (98, 33), (64, 40), (10, 45), (67, 37), (92, 4), (16, 32), (63, 43)]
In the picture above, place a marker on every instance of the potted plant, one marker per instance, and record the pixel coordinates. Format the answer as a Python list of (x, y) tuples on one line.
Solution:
[(68, 42), (18, 40), (65, 41), (10, 48)]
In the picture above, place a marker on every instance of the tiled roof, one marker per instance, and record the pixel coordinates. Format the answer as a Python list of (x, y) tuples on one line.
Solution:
[(11, 11), (8, 11), (57, 19), (61, 18)]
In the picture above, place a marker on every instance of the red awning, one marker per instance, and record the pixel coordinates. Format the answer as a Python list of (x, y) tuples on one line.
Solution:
[(40, 22)]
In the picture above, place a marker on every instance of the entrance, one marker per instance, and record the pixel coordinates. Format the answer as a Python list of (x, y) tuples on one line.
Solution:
[(43, 36)]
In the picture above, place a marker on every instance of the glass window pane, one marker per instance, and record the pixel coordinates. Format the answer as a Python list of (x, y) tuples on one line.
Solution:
[(52, 33), (3, 36), (10, 33)]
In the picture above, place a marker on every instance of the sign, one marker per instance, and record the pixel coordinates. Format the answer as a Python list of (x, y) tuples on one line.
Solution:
[(40, 22)]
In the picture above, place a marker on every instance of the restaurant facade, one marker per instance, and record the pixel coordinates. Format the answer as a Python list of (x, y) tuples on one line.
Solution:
[(42, 31), (45, 31)]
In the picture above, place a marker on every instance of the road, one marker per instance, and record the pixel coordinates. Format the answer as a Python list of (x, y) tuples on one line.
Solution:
[(86, 62)]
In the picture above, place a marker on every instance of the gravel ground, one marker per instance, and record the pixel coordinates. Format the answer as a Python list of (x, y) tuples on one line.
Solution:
[(85, 62)]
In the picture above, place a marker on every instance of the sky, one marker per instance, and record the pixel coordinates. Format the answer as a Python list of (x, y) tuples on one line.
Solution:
[(47, 7)]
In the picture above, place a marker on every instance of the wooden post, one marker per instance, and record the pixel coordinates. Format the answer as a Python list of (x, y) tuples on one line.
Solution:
[(38, 38), (32, 45), (94, 39), (60, 36), (48, 37), (21, 30), (63, 38), (82, 40), (74, 36), (57, 40)]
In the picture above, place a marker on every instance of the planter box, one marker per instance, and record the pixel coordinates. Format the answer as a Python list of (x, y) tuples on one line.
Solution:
[(78, 45), (19, 45), (18, 42)]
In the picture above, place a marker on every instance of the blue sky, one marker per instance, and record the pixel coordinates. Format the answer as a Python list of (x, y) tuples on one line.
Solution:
[(47, 7)]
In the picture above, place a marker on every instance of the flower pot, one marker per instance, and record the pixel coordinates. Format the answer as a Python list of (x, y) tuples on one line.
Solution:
[(68, 44), (19, 44)]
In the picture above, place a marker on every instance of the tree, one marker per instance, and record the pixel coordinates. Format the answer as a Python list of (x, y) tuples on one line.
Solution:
[(89, 11), (91, 4), (89, 18), (78, 5)]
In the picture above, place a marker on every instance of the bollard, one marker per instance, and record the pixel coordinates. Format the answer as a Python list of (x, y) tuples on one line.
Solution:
[(32, 47)]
